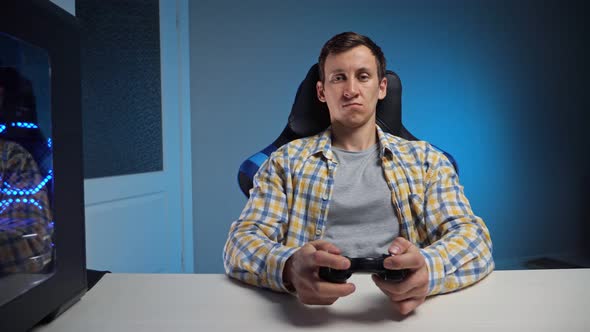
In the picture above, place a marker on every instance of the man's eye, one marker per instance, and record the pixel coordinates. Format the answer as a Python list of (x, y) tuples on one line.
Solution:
[(337, 78), (364, 77)]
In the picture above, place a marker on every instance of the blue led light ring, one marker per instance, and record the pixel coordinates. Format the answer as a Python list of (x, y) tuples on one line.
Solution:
[(27, 125), (5, 203), (26, 191)]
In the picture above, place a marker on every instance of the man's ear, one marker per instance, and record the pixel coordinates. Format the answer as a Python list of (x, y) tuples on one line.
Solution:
[(383, 88), (319, 86)]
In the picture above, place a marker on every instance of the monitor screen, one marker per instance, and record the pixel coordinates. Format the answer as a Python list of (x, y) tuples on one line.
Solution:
[(27, 244)]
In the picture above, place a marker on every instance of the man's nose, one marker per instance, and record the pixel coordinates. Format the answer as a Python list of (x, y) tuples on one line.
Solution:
[(351, 89)]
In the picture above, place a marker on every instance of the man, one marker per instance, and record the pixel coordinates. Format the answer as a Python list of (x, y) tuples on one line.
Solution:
[(354, 190)]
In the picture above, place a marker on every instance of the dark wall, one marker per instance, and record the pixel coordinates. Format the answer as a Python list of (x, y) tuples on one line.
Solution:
[(501, 85)]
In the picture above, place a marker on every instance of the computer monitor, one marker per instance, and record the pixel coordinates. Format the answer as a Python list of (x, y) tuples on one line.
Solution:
[(42, 243)]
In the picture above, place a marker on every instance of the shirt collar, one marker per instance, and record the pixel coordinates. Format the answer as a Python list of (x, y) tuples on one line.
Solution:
[(324, 143)]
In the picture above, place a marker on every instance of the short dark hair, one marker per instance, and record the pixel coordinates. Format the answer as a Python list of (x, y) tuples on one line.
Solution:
[(345, 41)]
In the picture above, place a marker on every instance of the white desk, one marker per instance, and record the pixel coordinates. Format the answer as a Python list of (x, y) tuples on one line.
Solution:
[(534, 300)]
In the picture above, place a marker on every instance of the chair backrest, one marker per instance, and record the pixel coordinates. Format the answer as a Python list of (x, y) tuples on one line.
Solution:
[(310, 116)]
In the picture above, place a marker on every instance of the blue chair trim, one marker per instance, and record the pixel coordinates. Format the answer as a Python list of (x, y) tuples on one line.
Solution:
[(252, 164), (249, 168), (258, 158)]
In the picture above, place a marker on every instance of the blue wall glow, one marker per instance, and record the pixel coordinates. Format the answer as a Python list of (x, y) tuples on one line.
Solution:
[(499, 85)]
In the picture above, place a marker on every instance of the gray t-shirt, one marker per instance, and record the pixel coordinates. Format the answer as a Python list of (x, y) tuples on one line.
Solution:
[(361, 217)]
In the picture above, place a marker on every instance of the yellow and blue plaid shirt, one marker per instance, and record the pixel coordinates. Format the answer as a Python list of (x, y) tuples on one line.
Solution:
[(289, 204)]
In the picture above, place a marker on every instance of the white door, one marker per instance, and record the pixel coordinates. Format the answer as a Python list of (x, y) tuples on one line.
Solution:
[(142, 222)]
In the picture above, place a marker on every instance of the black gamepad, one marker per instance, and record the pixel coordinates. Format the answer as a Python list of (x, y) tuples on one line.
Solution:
[(363, 265)]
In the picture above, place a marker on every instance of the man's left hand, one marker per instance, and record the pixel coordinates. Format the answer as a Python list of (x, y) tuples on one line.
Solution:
[(408, 294)]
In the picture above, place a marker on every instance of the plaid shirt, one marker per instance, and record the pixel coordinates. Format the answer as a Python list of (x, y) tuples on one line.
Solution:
[(25, 214), (289, 203)]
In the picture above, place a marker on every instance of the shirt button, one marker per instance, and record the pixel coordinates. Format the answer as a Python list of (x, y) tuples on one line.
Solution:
[(318, 232)]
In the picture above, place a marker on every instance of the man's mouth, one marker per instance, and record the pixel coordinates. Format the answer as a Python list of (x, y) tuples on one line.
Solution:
[(352, 104)]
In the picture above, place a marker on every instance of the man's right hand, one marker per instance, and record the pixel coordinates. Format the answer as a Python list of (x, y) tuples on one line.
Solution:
[(301, 271)]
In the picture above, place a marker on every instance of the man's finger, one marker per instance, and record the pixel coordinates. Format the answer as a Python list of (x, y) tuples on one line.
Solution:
[(325, 246), (394, 297), (399, 246), (407, 306), (303, 259), (412, 294), (324, 258), (407, 260), (328, 289), (390, 288), (398, 288), (315, 300)]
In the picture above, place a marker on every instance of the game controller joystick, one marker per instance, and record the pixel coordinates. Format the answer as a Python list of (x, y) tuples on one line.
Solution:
[(362, 265)]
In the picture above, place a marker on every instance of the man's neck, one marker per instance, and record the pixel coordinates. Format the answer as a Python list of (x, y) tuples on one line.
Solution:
[(354, 139)]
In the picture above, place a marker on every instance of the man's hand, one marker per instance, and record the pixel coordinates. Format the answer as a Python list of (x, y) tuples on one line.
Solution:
[(407, 295), (301, 271)]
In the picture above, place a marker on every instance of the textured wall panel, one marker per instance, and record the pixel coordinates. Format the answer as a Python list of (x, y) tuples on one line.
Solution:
[(121, 97)]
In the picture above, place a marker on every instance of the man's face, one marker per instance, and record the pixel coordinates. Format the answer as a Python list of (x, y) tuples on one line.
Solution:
[(351, 87)]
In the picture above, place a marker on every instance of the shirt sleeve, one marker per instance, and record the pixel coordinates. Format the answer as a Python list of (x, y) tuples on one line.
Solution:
[(254, 252), (460, 252)]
